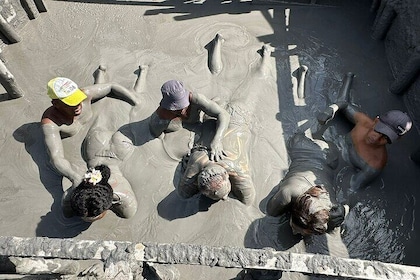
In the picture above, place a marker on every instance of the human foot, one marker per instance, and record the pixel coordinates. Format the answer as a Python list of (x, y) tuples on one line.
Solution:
[(99, 75)]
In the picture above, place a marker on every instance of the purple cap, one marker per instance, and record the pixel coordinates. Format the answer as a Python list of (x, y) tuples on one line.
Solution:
[(393, 124), (174, 95)]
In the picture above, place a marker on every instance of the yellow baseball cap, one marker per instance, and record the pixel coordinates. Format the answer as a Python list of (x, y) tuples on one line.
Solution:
[(66, 90)]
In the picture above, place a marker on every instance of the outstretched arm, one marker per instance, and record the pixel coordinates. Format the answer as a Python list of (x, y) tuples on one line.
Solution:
[(213, 109), (351, 112), (99, 91), (56, 152)]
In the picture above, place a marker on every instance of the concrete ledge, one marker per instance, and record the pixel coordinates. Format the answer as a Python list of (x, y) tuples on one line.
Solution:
[(229, 257)]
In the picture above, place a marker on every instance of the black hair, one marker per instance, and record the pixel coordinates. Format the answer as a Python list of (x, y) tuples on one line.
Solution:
[(88, 200), (106, 173)]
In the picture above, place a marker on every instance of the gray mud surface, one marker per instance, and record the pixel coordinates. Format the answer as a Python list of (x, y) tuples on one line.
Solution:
[(74, 37)]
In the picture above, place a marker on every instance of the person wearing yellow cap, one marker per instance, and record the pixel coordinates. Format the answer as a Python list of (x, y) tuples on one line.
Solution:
[(70, 111)]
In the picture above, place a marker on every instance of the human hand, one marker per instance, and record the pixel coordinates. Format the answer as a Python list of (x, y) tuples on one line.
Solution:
[(216, 151), (337, 215)]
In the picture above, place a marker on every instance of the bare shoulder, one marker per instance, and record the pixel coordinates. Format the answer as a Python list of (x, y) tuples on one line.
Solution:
[(198, 98), (363, 119), (48, 116)]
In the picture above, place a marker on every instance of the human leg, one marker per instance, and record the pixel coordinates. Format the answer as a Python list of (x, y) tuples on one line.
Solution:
[(215, 57), (140, 83), (100, 76), (258, 80), (343, 99), (263, 69)]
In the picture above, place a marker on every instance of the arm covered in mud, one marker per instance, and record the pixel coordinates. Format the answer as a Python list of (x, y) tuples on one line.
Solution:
[(212, 109), (243, 188), (280, 202), (242, 185), (55, 150), (363, 177), (124, 202), (350, 111), (188, 186)]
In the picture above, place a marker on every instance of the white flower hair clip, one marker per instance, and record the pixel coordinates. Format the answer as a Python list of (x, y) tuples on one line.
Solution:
[(93, 176)]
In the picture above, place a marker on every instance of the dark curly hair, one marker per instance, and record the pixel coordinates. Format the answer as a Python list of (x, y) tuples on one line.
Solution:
[(88, 200)]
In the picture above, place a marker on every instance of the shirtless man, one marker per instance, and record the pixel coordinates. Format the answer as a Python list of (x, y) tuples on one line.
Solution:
[(178, 106), (367, 140), (71, 110), (217, 179), (103, 150)]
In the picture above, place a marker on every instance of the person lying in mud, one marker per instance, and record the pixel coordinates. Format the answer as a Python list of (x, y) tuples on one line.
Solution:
[(178, 106), (71, 110), (231, 174), (103, 151), (305, 190), (366, 142), (95, 196)]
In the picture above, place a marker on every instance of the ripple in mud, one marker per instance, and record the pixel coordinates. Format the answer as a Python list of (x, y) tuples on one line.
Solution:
[(368, 234)]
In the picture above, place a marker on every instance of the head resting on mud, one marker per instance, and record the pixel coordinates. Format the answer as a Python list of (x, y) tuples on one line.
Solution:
[(213, 182), (94, 195), (310, 212)]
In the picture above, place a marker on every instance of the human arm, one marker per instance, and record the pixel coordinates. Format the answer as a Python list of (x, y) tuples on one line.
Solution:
[(363, 177), (55, 151), (124, 205), (213, 109), (124, 202), (242, 187), (187, 186), (98, 91), (351, 112), (279, 203)]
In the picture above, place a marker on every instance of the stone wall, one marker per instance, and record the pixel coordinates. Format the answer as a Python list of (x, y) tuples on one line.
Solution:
[(128, 258), (14, 14), (397, 23)]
